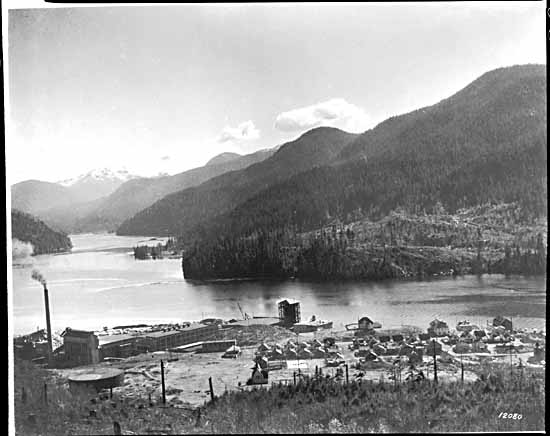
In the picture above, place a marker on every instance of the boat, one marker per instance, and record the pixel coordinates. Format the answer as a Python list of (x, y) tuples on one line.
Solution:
[(312, 325)]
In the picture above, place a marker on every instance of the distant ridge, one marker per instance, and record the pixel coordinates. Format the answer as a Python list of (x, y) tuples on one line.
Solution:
[(187, 208), (223, 158), (74, 214)]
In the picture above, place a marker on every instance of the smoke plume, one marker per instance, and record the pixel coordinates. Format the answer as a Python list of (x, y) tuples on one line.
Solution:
[(38, 277), (21, 250)]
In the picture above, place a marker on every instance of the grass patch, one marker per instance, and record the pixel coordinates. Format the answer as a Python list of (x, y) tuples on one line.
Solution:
[(313, 405)]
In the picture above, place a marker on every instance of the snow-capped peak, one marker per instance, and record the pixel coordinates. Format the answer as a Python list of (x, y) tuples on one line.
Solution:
[(100, 174)]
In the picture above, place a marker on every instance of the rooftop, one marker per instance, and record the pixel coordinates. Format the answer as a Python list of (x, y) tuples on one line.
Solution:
[(77, 333), (191, 327), (289, 301), (111, 339)]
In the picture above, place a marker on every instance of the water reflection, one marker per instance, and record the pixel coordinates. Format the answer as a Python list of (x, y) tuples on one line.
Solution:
[(101, 284)]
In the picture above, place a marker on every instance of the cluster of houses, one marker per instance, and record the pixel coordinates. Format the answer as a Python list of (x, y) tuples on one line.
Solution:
[(295, 350), (467, 338)]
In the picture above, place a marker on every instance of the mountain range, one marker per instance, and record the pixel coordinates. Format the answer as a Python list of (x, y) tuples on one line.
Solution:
[(68, 205), (183, 210), (486, 144)]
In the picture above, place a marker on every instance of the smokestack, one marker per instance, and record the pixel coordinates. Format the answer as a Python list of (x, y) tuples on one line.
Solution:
[(40, 278)]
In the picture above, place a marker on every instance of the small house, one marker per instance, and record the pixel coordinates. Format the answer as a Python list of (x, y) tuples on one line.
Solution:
[(392, 351), (384, 338), (302, 345), (438, 328), (397, 338), (316, 343), (467, 337), (232, 352), (539, 353), (361, 353), (369, 356), (329, 342), (263, 348), (479, 334), (406, 350), (366, 323), (379, 349), (318, 353), (259, 376), (479, 347), (262, 362), (291, 354), (305, 353), (504, 322), (276, 354), (462, 348)]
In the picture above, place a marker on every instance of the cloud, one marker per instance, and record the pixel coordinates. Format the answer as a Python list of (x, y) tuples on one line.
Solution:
[(243, 132), (336, 112)]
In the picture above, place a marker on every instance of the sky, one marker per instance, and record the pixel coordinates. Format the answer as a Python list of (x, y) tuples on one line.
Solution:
[(162, 89)]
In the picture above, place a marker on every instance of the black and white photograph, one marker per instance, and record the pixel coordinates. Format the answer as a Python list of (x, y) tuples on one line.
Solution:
[(266, 218)]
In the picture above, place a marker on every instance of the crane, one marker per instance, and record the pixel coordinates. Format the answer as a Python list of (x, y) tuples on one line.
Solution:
[(244, 314)]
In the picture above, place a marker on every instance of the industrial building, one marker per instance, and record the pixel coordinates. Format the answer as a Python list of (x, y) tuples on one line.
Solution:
[(117, 346), (164, 340), (80, 347), (289, 312)]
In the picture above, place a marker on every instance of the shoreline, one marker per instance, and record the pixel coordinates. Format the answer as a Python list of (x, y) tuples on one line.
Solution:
[(426, 278)]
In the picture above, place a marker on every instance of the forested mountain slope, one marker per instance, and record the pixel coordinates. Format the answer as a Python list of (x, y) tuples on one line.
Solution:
[(187, 208), (484, 145), (492, 151), (27, 228)]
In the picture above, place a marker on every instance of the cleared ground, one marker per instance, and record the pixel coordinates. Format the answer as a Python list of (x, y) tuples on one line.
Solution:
[(186, 374)]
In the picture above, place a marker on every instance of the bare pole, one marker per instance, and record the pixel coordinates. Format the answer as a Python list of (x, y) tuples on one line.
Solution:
[(162, 381), (461, 370), (511, 367), (435, 362), (211, 389)]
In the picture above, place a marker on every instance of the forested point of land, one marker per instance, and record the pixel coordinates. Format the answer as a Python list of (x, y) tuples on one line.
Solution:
[(44, 240), (498, 238)]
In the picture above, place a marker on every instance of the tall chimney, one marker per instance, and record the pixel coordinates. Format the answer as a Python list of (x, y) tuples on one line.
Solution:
[(48, 325)]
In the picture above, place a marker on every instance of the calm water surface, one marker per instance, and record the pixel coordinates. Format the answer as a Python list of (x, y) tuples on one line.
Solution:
[(100, 284)]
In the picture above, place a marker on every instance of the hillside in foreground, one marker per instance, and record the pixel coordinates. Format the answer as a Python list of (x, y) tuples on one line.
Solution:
[(313, 405), (27, 228)]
